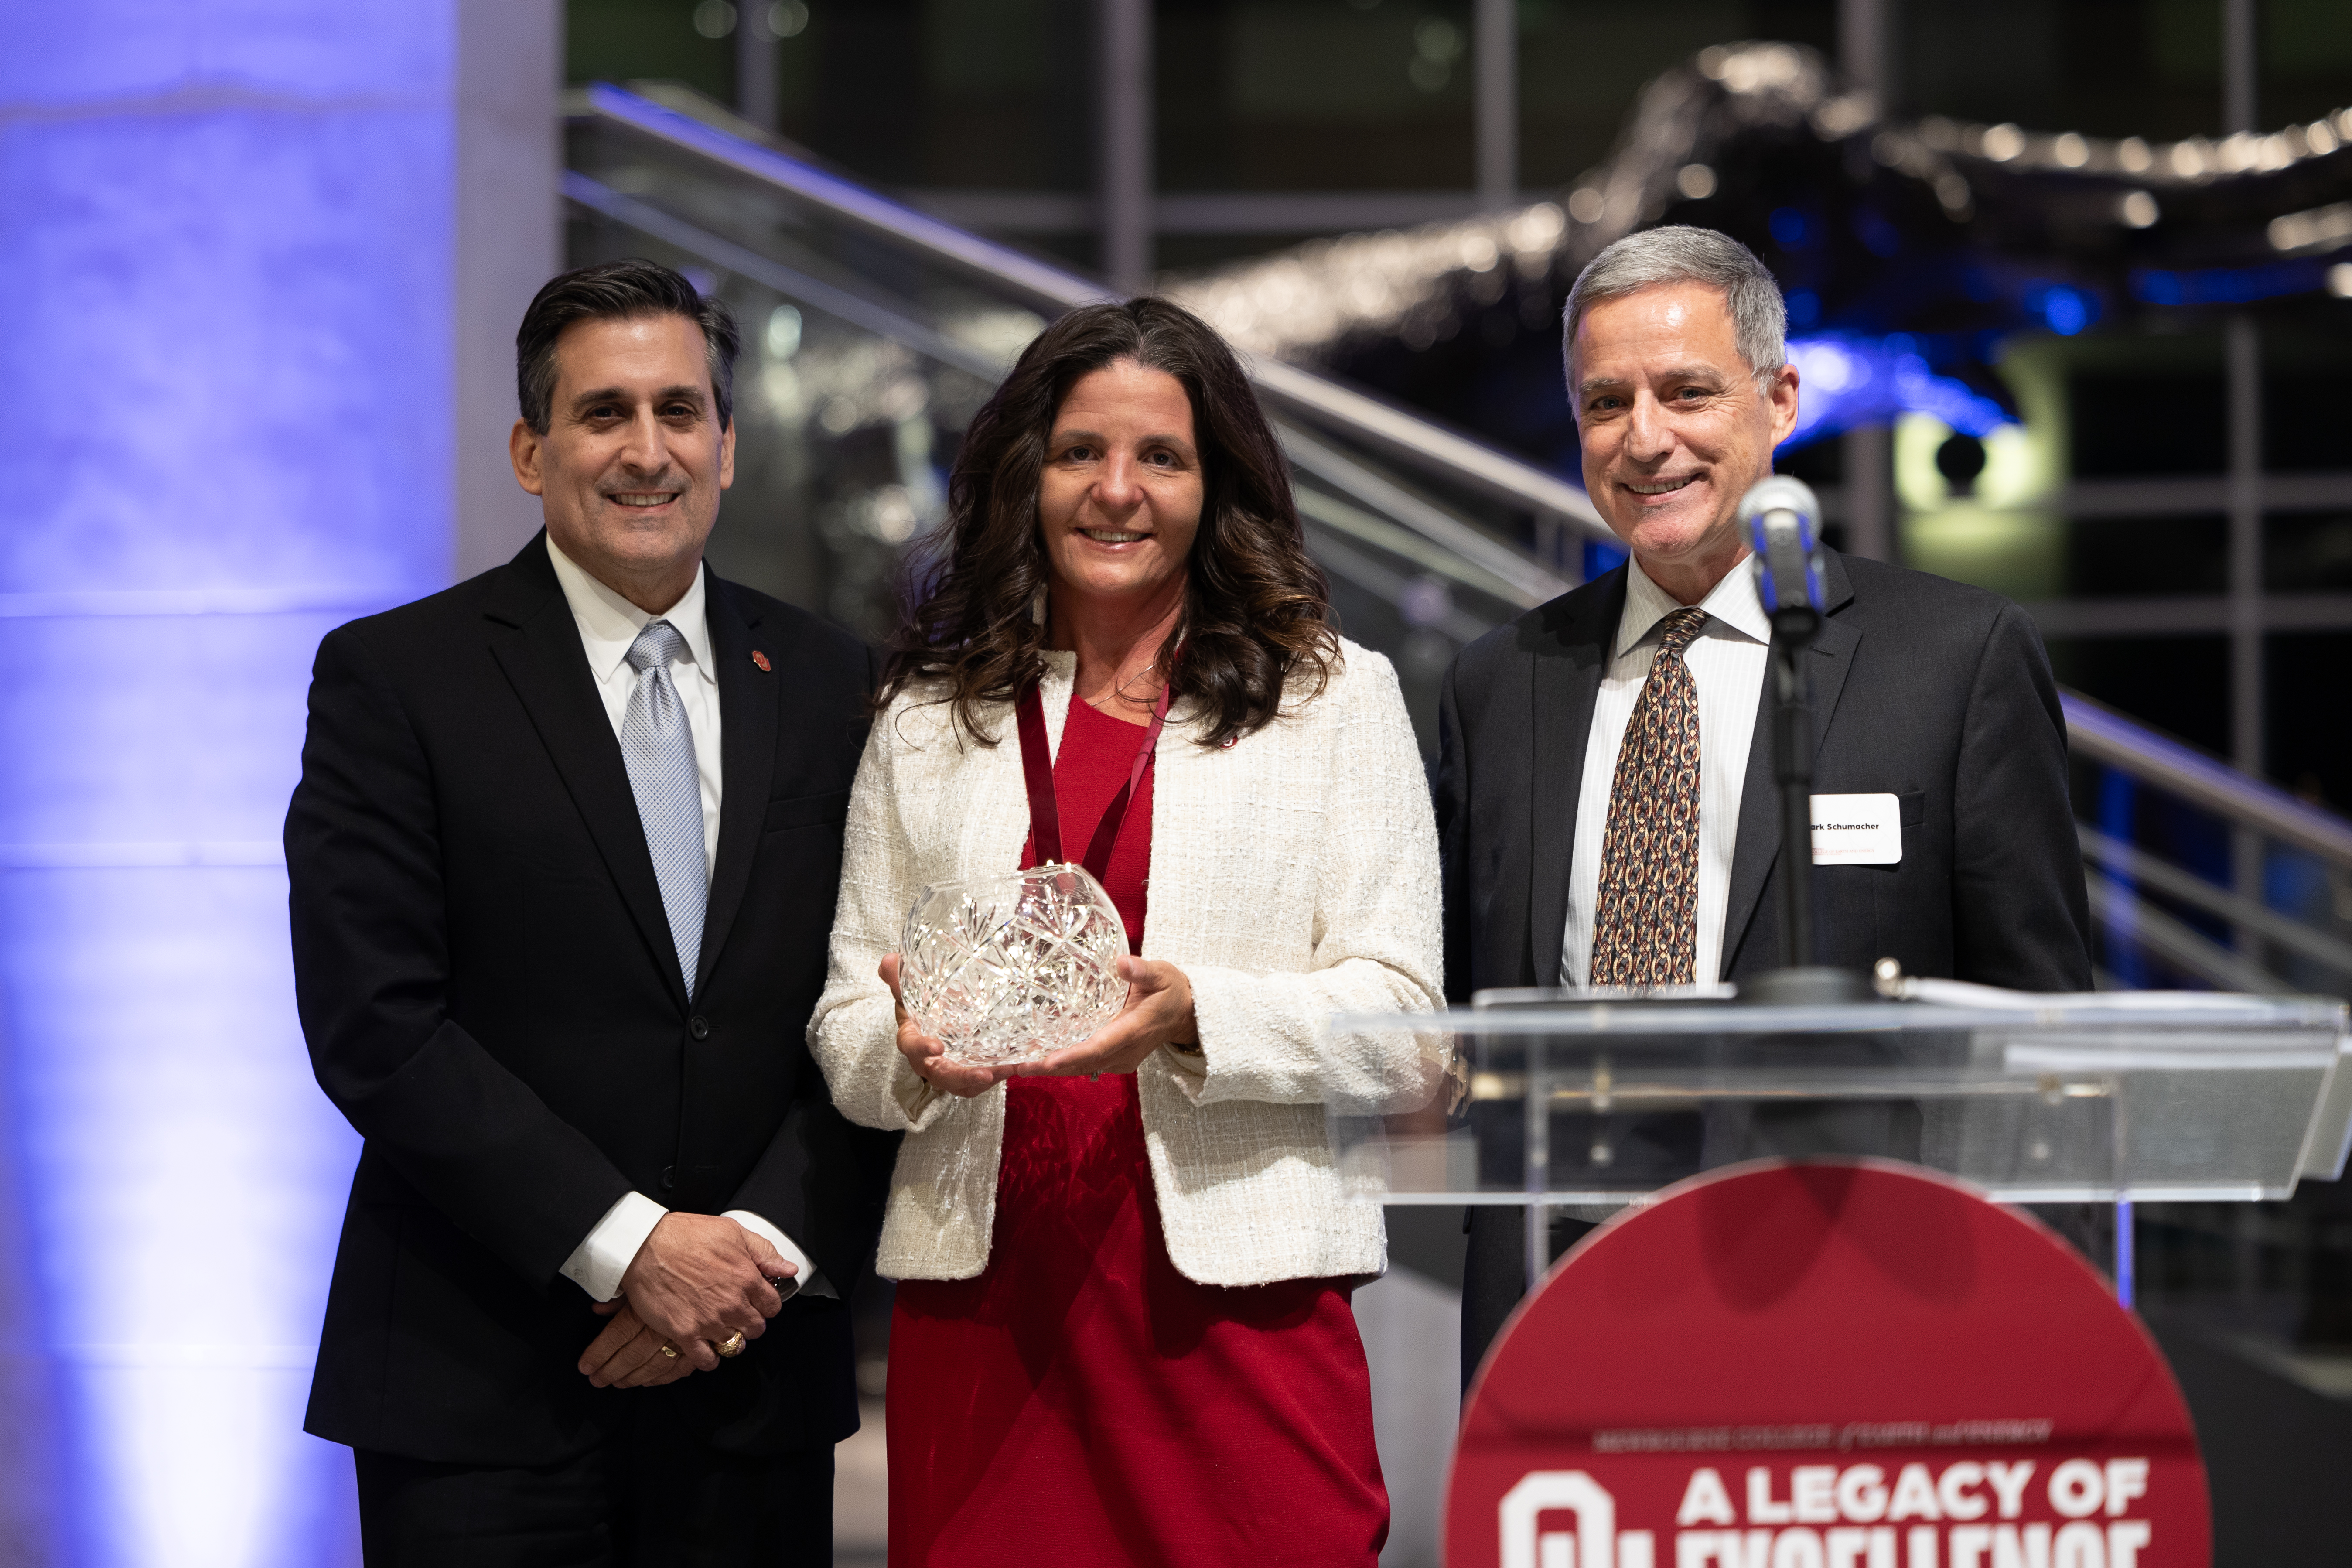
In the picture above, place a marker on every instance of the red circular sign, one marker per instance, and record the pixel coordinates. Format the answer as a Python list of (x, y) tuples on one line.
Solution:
[(1825, 1364)]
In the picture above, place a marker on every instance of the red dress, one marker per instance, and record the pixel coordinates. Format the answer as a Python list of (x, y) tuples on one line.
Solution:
[(1083, 1403)]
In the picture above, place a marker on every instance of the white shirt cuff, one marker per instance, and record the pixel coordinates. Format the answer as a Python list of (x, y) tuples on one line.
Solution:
[(806, 1278), (597, 1264)]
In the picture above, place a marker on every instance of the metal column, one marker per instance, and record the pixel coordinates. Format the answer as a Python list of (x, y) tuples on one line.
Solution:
[(755, 66), (1866, 49), (1865, 58), (1123, 140), (2239, 64), (2242, 354), (1870, 493), (2243, 371), (1495, 89)]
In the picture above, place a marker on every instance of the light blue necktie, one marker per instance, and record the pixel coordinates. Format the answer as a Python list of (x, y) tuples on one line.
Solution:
[(658, 745)]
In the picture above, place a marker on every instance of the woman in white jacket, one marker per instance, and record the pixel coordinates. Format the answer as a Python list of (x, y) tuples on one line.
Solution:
[(1122, 1332)]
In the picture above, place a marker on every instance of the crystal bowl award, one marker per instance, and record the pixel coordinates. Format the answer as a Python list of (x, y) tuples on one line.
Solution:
[(1012, 967)]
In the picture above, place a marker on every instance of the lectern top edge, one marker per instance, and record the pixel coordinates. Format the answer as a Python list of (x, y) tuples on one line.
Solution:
[(2122, 1012)]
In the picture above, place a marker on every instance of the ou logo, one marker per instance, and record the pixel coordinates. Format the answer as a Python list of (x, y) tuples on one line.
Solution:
[(1594, 1543)]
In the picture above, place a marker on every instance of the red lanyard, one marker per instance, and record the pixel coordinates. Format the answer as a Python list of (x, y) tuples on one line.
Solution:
[(1037, 768)]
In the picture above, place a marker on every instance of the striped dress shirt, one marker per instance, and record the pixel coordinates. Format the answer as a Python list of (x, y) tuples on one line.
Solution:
[(1727, 663)]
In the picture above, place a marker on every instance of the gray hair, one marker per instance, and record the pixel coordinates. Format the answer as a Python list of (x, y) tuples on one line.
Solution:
[(1679, 253)]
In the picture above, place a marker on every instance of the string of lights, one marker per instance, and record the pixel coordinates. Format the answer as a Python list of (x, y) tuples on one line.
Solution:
[(1920, 243)]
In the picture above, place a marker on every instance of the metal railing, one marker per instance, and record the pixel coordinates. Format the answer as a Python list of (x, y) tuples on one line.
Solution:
[(1371, 477), (2103, 736), (1411, 437)]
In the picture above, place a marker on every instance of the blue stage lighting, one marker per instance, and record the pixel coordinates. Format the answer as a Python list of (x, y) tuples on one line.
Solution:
[(1846, 380), (1878, 235), (2232, 285), (1602, 556), (2066, 310), (225, 295)]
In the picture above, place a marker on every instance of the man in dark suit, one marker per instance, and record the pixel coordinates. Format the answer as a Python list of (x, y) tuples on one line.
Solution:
[(1605, 795), (563, 862)]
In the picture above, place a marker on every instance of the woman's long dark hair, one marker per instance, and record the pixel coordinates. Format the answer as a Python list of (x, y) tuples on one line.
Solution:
[(1257, 608)]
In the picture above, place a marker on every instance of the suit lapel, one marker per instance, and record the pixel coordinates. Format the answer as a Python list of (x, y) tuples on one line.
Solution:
[(1569, 657), (1758, 846), (537, 643), (748, 699)]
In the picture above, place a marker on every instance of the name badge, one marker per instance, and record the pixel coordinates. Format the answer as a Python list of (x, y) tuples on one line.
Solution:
[(1857, 830)]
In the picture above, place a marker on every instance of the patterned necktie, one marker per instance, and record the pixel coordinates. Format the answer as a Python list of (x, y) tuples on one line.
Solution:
[(1645, 922), (658, 745)]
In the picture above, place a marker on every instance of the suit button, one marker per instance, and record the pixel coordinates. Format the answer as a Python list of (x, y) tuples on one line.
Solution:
[(668, 1177), (699, 1026)]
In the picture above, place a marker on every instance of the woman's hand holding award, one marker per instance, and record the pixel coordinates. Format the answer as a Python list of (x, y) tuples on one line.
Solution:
[(1009, 969)]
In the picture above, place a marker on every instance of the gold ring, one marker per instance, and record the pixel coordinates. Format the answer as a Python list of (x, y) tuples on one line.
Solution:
[(732, 1345), (669, 1350)]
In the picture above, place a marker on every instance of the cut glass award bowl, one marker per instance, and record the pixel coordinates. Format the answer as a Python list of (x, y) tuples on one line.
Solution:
[(1012, 967)]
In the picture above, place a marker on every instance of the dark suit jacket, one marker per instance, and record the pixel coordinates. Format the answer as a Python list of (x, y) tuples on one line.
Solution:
[(1924, 689), (490, 994)]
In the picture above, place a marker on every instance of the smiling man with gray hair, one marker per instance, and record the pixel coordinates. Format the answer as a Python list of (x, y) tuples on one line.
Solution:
[(1604, 794)]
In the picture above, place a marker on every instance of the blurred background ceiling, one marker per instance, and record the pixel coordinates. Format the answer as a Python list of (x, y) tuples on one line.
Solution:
[(2043, 259)]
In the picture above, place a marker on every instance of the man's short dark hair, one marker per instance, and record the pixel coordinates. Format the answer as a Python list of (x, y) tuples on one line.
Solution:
[(618, 291)]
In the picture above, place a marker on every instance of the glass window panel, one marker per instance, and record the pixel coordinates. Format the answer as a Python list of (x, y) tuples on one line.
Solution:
[(2104, 67), (2310, 746), (618, 40), (1582, 63), (2308, 553), (2153, 420), (1276, 95), (2305, 58), (2126, 557), (2178, 684)]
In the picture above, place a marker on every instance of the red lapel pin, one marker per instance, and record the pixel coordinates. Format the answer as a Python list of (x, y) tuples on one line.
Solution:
[(761, 660)]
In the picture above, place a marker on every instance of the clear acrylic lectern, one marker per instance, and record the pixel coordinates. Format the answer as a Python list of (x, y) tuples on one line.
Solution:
[(1590, 1103)]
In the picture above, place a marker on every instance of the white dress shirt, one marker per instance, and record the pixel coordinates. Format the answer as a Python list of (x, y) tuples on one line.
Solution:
[(1727, 662), (608, 626)]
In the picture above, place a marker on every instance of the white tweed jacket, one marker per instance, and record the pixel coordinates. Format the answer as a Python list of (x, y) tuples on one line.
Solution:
[(1293, 875)]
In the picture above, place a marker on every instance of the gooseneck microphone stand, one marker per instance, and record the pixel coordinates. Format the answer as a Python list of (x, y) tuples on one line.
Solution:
[(1779, 514)]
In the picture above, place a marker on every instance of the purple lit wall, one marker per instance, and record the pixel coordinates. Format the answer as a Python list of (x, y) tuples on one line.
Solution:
[(230, 309)]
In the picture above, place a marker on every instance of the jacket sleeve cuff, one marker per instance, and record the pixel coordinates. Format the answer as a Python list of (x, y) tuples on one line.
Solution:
[(917, 1099), (808, 1279), (597, 1264)]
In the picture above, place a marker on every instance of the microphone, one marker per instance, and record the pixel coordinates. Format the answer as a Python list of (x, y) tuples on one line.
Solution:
[(1782, 518)]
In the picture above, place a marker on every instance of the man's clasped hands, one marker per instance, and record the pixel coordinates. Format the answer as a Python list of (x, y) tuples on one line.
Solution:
[(699, 1280)]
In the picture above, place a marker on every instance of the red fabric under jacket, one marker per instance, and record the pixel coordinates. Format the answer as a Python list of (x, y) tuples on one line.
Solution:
[(1083, 1403)]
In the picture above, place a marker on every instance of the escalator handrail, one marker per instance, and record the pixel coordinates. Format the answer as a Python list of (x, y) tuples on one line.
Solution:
[(1468, 461), (2105, 736), (790, 282), (1528, 584), (2127, 864), (2177, 942)]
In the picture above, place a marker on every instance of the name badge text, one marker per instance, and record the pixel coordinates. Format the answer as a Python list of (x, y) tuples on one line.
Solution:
[(1857, 830)]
